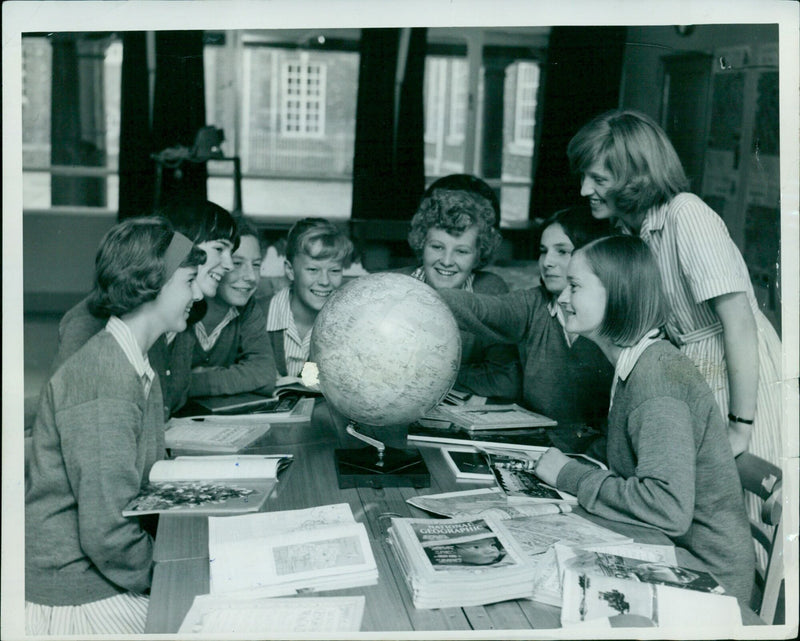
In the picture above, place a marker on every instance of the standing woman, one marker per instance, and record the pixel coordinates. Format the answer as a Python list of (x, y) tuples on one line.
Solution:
[(453, 234), (99, 430), (630, 171), (670, 466)]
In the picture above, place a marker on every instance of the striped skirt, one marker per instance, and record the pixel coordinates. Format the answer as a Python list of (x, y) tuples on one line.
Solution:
[(121, 614)]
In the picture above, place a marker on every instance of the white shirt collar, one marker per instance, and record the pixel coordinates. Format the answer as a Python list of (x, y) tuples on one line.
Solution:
[(628, 358), (133, 352), (207, 341), (279, 316), (557, 312)]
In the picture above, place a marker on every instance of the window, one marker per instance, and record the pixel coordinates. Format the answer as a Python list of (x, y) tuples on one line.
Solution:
[(525, 105), (435, 90), (303, 98), (90, 178), (458, 100)]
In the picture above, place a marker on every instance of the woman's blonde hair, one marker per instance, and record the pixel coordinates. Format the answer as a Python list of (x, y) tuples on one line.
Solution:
[(636, 152)]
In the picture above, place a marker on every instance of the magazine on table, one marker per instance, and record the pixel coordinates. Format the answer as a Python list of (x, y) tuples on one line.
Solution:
[(548, 583), (459, 562), (606, 564), (211, 614), (205, 485), (289, 552), (587, 597), (485, 501), (468, 464)]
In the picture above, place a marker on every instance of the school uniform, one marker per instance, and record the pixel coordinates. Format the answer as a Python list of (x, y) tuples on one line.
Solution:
[(670, 464), (699, 261), (564, 378), (237, 355), (170, 356), (98, 432)]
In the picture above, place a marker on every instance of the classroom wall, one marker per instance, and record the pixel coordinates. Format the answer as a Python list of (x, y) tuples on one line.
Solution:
[(58, 257), (645, 46)]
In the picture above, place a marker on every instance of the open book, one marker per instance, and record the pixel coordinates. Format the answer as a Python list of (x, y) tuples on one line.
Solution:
[(489, 417), (203, 485), (589, 596), (486, 501), (213, 434), (282, 553)]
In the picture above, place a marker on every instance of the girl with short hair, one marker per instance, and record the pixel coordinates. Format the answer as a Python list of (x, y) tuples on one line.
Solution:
[(99, 430), (669, 464)]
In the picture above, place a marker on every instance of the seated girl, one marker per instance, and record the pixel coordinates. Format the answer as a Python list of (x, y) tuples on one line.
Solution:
[(317, 253), (99, 429), (670, 465), (565, 377), (232, 353), (213, 229), (453, 234)]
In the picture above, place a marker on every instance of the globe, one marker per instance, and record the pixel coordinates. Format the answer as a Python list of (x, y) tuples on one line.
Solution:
[(387, 349)]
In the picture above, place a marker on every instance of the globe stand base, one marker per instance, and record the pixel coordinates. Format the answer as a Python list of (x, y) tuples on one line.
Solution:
[(365, 467)]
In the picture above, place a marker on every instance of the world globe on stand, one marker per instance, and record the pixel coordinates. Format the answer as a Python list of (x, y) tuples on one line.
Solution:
[(387, 349)]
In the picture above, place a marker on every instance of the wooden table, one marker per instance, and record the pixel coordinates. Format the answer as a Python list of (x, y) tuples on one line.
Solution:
[(181, 547)]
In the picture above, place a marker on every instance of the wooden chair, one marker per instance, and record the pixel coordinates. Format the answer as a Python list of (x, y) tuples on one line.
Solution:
[(763, 479)]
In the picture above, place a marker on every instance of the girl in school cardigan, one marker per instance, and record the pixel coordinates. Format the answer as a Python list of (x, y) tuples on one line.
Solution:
[(669, 464), (565, 376), (232, 352), (630, 172), (99, 430), (214, 231)]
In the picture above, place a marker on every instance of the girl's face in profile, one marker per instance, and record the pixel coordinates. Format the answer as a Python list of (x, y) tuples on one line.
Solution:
[(583, 299), (448, 260), (595, 183), (175, 300), (218, 263), (555, 250)]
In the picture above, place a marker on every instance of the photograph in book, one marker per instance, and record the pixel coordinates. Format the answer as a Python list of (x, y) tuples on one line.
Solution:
[(520, 484), (603, 564), (468, 464)]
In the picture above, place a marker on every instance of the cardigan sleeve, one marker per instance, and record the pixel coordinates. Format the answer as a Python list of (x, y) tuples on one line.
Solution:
[(500, 319), (254, 368), (99, 441), (661, 492)]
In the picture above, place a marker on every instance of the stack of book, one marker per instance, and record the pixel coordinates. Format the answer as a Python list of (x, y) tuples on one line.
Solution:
[(289, 552), (460, 562)]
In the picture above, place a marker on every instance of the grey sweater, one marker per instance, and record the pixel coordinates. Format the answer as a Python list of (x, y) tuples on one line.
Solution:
[(671, 467), (94, 441)]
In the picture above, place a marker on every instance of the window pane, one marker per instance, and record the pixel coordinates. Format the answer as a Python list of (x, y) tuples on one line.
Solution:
[(296, 128)]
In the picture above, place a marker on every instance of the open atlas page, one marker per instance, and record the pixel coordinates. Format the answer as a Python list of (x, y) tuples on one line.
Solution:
[(213, 434), (207, 485), (460, 562), (592, 596), (283, 553), (212, 614), (490, 501)]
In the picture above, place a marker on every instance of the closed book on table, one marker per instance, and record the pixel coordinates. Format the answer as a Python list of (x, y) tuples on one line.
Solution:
[(490, 417), (213, 434), (208, 485)]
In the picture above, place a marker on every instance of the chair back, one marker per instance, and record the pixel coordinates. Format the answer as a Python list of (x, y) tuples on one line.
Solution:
[(764, 480)]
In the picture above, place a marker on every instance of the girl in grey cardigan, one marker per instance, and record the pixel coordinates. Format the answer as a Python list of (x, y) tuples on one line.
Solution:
[(99, 430), (670, 462)]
